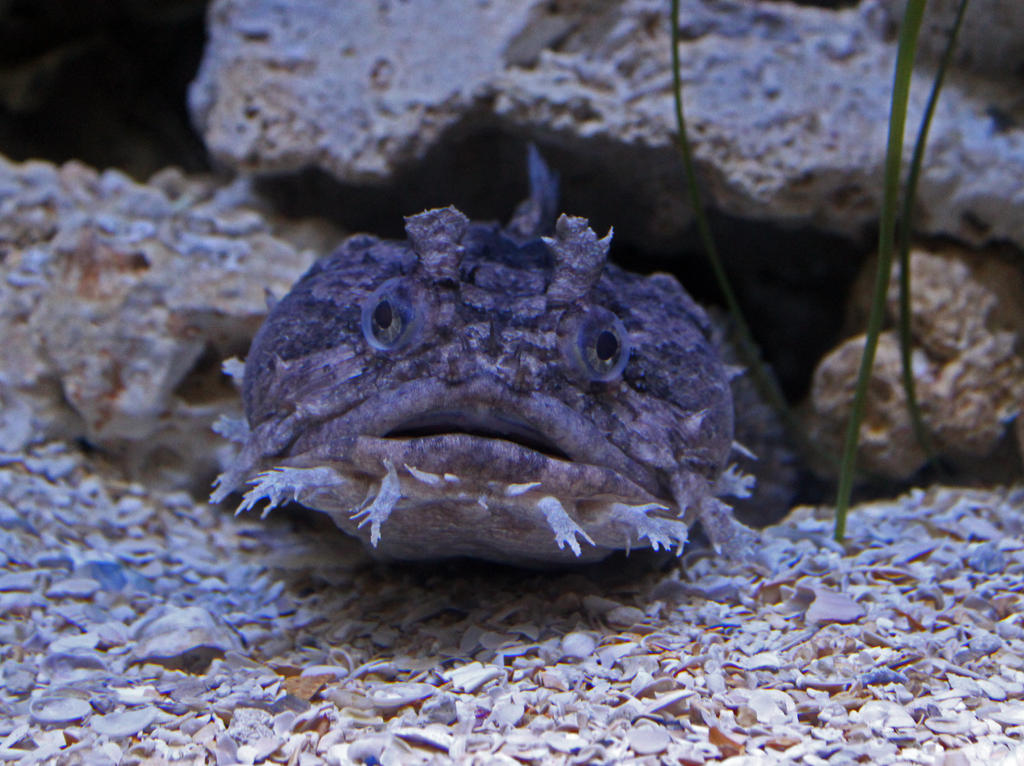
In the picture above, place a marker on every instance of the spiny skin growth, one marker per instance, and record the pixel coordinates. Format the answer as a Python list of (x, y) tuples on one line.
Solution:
[(486, 391)]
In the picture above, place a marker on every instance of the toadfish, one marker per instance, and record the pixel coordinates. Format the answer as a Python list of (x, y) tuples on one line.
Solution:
[(498, 392)]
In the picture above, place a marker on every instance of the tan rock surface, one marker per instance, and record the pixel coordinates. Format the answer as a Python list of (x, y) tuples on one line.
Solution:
[(114, 293), (967, 322), (887, 443), (787, 104)]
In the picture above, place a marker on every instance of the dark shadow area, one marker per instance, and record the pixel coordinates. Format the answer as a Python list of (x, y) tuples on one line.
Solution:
[(483, 173), (101, 81), (791, 283)]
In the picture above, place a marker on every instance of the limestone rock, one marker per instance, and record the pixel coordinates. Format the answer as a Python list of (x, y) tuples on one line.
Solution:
[(787, 105), (117, 302), (887, 444), (354, 88), (967, 322)]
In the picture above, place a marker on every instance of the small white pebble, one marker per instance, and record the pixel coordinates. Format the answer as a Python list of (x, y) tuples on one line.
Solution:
[(578, 645)]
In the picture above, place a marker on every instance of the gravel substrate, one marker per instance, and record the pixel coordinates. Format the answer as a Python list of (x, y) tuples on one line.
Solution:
[(138, 627)]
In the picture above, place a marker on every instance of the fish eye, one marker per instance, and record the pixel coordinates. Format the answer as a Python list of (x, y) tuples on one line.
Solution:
[(389, 316), (599, 345)]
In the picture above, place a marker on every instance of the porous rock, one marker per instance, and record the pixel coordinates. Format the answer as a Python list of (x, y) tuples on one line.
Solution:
[(787, 105), (967, 323), (887, 444), (117, 301), (354, 88)]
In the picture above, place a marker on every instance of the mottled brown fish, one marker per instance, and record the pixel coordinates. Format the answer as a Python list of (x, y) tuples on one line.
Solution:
[(487, 391)]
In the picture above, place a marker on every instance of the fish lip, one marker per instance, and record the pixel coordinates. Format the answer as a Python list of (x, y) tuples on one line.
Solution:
[(494, 468), (567, 435), (478, 423)]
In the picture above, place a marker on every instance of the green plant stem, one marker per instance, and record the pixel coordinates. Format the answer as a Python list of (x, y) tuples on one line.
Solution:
[(909, 29), (906, 217), (765, 382)]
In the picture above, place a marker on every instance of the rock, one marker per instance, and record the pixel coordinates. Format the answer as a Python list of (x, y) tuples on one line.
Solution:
[(472, 676), (65, 667), (117, 302), (250, 724), (183, 637), (363, 91), (73, 587), (832, 606), (125, 723), (62, 708), (394, 696), (354, 88), (967, 323), (578, 645), (736, 660), (883, 714), (19, 678), (648, 740), (887, 444)]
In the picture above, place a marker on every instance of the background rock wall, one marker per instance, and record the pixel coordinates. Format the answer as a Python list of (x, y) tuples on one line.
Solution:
[(121, 297), (787, 104)]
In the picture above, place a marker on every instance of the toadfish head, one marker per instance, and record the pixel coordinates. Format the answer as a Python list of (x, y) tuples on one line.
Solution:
[(478, 391)]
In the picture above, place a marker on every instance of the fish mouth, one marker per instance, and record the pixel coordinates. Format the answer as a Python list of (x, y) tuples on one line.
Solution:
[(539, 429), (479, 424), (429, 470)]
